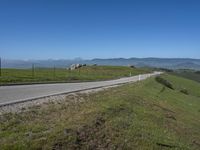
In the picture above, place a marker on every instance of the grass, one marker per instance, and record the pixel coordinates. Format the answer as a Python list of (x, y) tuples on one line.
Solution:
[(189, 74), (89, 73), (183, 83), (144, 115)]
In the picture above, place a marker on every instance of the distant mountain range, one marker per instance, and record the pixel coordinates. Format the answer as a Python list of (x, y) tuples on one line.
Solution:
[(169, 63)]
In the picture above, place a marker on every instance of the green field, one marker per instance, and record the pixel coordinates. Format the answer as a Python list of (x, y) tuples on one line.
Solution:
[(89, 73), (144, 115), (189, 74)]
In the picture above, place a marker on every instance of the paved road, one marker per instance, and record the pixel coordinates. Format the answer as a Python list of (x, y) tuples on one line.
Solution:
[(15, 94)]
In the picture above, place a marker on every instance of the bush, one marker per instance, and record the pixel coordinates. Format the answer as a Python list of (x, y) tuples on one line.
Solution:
[(132, 66), (184, 91), (164, 82), (166, 70)]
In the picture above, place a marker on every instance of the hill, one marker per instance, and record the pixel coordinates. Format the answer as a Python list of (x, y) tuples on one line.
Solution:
[(189, 74), (145, 115), (170, 63)]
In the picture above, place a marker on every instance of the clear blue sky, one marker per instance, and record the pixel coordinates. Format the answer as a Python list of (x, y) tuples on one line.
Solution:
[(42, 29)]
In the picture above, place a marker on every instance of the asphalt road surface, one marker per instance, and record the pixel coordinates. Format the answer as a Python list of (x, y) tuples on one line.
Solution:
[(21, 93)]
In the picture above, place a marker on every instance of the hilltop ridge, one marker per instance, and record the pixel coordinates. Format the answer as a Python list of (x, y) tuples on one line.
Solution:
[(170, 63)]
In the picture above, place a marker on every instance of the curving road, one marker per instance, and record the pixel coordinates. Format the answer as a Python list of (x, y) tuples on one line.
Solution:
[(21, 93)]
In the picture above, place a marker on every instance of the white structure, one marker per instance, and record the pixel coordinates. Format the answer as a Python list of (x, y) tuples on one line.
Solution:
[(76, 66)]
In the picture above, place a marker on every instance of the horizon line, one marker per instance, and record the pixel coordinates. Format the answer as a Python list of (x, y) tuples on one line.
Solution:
[(79, 58)]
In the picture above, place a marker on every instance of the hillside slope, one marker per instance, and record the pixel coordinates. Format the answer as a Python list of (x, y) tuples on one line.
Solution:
[(144, 115), (189, 75)]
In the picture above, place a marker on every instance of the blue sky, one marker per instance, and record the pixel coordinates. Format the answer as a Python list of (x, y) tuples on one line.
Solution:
[(43, 29)]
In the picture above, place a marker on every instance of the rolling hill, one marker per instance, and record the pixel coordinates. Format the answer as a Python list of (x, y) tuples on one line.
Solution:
[(170, 63), (145, 115)]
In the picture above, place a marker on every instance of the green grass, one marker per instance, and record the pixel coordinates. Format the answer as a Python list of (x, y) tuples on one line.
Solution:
[(184, 83), (144, 115), (192, 75), (89, 73)]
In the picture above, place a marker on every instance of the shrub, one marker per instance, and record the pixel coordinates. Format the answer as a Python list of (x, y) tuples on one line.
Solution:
[(166, 70), (184, 91), (132, 66), (164, 82)]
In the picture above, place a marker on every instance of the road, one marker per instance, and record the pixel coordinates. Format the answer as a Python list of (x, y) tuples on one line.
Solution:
[(21, 93)]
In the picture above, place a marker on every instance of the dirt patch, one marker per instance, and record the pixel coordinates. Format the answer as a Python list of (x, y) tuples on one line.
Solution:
[(90, 137), (170, 116)]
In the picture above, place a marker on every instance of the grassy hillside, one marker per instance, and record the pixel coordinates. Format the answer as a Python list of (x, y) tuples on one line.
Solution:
[(90, 73), (192, 75), (144, 115)]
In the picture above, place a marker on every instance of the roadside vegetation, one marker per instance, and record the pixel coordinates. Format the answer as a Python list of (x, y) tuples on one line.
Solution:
[(144, 115), (164, 82), (87, 73)]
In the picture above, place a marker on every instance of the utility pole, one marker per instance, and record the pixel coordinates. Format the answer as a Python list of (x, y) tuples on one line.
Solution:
[(33, 70), (0, 66)]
